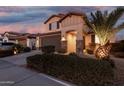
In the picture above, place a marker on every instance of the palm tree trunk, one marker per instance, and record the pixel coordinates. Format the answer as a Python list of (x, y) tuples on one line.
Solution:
[(102, 52)]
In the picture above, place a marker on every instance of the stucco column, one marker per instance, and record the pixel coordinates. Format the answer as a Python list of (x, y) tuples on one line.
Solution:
[(28, 42), (38, 42), (79, 43)]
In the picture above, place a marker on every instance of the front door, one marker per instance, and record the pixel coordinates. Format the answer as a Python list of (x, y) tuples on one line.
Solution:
[(71, 42)]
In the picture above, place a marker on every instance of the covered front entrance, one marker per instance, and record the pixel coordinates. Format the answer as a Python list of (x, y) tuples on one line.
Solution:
[(71, 41)]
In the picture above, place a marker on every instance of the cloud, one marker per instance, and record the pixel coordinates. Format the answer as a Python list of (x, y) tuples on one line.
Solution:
[(22, 14), (30, 18)]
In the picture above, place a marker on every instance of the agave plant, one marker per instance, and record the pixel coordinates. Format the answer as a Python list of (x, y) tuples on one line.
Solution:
[(104, 25)]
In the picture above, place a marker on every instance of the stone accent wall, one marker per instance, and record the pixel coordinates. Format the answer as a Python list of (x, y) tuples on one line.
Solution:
[(64, 45), (79, 47)]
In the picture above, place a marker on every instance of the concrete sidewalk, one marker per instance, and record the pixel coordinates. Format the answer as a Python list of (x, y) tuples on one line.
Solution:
[(12, 73)]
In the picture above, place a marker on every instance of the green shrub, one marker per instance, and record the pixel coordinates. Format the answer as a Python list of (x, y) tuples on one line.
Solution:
[(73, 54), (27, 49), (48, 49), (80, 71), (18, 47), (62, 51)]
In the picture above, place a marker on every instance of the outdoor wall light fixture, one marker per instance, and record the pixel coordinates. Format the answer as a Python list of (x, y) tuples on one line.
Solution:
[(15, 52), (63, 38)]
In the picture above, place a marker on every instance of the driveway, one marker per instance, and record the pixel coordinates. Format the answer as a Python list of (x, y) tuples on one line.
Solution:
[(14, 74), (119, 72), (20, 59)]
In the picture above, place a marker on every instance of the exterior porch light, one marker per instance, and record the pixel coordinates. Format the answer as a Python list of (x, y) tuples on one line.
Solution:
[(15, 51), (63, 38), (85, 51)]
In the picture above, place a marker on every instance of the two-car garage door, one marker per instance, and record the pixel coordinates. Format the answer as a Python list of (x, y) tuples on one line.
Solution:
[(54, 40)]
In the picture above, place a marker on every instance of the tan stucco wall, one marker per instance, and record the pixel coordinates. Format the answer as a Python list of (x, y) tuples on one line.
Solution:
[(22, 42), (76, 24), (46, 26), (38, 42), (72, 23), (71, 20)]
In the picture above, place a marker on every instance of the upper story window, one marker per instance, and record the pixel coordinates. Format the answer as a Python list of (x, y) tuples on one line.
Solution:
[(54, 25)]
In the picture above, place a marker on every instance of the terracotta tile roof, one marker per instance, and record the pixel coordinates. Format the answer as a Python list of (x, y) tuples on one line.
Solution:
[(21, 36), (12, 37), (63, 16), (32, 36), (13, 33), (72, 13), (50, 33), (59, 15)]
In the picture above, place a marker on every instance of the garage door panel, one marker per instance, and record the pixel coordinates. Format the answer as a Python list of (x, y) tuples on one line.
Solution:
[(54, 40)]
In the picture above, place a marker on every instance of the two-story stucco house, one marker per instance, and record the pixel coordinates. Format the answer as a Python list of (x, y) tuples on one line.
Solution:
[(67, 32)]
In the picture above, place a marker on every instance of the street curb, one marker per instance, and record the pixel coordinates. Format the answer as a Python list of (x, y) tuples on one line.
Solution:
[(64, 83)]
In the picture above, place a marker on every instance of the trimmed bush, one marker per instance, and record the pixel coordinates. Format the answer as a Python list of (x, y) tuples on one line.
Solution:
[(48, 49), (62, 51), (27, 49), (73, 54), (18, 47), (79, 71)]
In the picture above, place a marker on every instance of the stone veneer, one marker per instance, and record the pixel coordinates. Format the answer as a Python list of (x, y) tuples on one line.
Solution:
[(64, 45), (79, 47)]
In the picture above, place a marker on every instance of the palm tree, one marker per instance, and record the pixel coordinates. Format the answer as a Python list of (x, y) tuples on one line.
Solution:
[(104, 25)]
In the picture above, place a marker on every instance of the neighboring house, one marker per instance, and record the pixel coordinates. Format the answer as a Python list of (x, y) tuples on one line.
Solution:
[(31, 41), (1, 39), (25, 39), (68, 32), (11, 37)]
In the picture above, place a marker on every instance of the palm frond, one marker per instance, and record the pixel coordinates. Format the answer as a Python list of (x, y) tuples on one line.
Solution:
[(88, 22), (118, 28), (102, 24), (114, 16)]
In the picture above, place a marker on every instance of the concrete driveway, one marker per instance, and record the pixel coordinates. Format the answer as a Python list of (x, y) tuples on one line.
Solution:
[(13, 73), (20, 59)]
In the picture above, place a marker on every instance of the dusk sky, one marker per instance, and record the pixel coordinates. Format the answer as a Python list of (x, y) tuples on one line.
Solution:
[(31, 18)]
